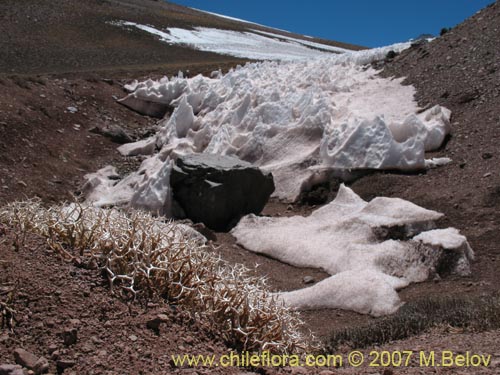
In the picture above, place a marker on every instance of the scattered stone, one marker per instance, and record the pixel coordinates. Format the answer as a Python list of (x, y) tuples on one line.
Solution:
[(133, 338), (96, 340), (298, 370), (114, 132), (75, 322), (390, 55), (91, 265), (72, 109), (486, 175), (64, 364), (52, 348), (25, 358), (41, 366), (308, 280), (218, 190), (55, 355), (155, 323), (70, 336), (11, 370), (467, 97), (487, 155)]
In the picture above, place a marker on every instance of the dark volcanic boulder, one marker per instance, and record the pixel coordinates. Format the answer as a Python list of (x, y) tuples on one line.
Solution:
[(218, 190)]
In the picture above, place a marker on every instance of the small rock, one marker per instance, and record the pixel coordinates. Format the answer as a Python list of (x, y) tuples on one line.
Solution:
[(11, 370), (63, 364), (133, 338), (72, 109), (52, 348), (486, 175), (55, 355), (289, 208), (298, 370), (114, 132), (308, 280), (487, 155), (25, 358), (70, 336), (154, 324), (462, 165), (41, 366), (96, 340), (92, 264), (75, 322)]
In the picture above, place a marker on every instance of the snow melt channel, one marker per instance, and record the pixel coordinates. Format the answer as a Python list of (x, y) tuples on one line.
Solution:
[(354, 241)]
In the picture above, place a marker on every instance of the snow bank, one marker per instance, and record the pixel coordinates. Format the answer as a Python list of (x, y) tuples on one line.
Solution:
[(354, 241), (247, 45), (304, 121)]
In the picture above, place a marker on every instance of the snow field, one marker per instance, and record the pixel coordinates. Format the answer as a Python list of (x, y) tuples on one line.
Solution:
[(300, 120)]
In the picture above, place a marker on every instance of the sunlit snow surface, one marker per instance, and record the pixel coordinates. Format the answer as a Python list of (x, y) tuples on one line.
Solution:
[(300, 120), (351, 240), (253, 44)]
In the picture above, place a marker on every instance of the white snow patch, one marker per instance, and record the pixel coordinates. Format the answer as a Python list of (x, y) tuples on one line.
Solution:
[(235, 43), (302, 120), (261, 45), (351, 240), (321, 46)]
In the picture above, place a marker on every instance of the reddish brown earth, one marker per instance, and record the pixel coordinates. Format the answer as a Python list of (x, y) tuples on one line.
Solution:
[(44, 153)]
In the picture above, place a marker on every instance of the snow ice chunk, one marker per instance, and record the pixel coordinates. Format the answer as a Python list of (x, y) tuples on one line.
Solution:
[(154, 193), (437, 162), (369, 292), (142, 147), (366, 246), (183, 118)]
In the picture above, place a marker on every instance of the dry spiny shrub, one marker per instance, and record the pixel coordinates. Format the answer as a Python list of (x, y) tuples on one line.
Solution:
[(144, 255)]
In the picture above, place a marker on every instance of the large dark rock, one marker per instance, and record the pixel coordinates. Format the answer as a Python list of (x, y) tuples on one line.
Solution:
[(218, 190)]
